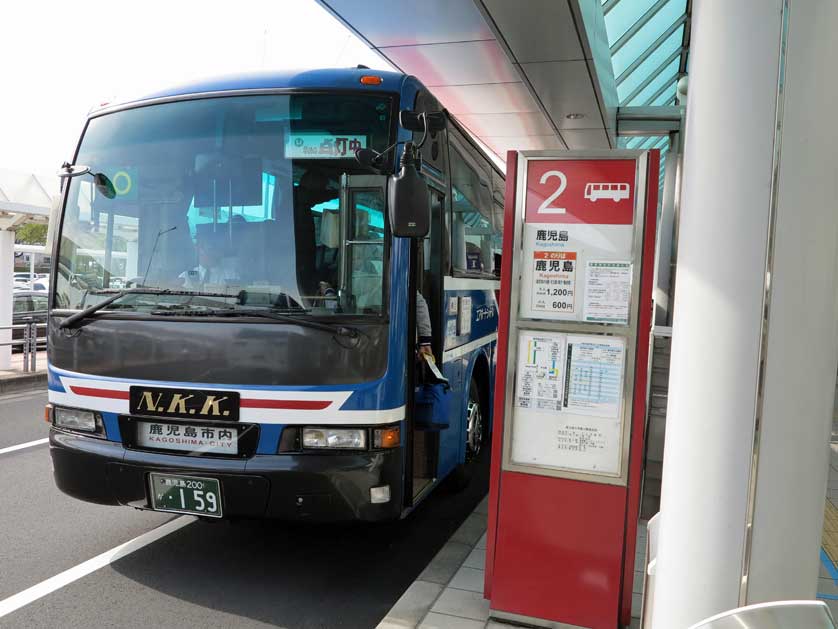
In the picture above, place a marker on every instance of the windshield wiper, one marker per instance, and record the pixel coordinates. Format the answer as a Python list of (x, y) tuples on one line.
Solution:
[(118, 294), (159, 291), (332, 328), (73, 319)]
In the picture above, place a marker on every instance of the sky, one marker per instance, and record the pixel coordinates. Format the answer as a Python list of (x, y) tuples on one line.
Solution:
[(60, 59)]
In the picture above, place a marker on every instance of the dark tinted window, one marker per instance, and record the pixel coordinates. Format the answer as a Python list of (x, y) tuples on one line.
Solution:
[(39, 302), (22, 304), (471, 223)]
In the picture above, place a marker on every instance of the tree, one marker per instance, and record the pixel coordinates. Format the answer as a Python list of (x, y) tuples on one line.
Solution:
[(31, 234)]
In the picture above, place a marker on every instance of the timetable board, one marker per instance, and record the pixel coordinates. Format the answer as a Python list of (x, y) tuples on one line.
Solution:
[(573, 317)]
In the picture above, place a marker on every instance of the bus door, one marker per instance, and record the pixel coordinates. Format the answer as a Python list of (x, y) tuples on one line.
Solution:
[(429, 285), (428, 276)]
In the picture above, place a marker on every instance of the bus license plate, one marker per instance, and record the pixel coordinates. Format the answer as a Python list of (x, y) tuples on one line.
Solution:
[(186, 494)]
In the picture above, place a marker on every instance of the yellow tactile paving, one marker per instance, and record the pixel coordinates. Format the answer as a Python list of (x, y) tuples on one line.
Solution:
[(830, 531)]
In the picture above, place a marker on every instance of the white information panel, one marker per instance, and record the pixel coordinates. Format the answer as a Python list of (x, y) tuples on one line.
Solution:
[(570, 373), (576, 272), (567, 409)]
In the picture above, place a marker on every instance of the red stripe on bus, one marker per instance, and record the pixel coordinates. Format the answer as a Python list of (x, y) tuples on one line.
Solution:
[(108, 393), (297, 405)]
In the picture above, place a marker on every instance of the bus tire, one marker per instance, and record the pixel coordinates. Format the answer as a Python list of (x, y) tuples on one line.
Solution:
[(476, 431)]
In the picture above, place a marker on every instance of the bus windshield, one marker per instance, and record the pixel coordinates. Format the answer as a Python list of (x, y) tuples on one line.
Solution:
[(228, 202)]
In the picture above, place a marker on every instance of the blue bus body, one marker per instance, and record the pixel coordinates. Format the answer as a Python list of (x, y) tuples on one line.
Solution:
[(110, 357)]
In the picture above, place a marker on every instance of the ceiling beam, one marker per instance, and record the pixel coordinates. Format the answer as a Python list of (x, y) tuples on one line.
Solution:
[(649, 120)]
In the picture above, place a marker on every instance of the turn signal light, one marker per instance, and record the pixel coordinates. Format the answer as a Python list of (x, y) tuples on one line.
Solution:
[(48, 413), (368, 79), (386, 437)]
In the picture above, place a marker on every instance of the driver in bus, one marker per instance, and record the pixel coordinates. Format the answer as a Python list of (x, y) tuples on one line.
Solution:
[(213, 266)]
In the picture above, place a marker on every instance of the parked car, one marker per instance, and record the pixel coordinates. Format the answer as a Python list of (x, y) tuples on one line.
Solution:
[(41, 285), (23, 277), (29, 305)]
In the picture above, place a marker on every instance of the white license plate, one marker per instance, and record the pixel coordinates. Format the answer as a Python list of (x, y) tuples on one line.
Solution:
[(188, 438)]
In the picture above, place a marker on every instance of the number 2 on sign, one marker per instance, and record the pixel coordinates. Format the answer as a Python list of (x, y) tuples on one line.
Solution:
[(545, 208)]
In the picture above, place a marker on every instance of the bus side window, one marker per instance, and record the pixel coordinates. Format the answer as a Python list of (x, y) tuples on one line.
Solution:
[(366, 250), (498, 191), (471, 225), (497, 237)]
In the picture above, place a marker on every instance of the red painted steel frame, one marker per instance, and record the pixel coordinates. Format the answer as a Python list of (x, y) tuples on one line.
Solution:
[(641, 385), (500, 370), (553, 541)]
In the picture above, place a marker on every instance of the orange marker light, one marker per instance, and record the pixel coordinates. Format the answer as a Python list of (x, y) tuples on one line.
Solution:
[(48, 413), (368, 79), (387, 437)]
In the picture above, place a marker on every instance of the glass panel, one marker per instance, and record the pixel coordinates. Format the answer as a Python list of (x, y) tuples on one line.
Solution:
[(366, 251), (667, 97), (21, 304), (39, 302), (237, 196), (653, 29), (623, 16), (472, 230), (636, 78)]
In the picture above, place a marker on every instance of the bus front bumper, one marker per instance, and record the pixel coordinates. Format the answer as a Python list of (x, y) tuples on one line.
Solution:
[(311, 486)]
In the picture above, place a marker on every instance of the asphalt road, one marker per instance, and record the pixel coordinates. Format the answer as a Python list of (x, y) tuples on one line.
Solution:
[(248, 574)]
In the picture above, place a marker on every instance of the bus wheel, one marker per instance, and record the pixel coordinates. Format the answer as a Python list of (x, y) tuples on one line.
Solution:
[(475, 436), (474, 423)]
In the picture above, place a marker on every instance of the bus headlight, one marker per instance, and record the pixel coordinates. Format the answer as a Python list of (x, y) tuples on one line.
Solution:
[(348, 438), (75, 419)]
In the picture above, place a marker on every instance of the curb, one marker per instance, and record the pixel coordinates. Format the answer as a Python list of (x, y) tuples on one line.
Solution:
[(22, 382)]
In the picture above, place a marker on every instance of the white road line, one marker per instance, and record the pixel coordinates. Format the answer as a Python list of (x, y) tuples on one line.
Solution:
[(21, 446), (16, 601)]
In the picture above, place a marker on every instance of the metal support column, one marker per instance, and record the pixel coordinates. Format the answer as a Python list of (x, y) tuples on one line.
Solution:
[(754, 336), (7, 267)]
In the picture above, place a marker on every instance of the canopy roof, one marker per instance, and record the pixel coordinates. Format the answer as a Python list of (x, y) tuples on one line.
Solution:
[(25, 197)]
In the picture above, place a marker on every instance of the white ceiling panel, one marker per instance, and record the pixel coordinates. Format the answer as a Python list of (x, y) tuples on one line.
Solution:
[(586, 138), (409, 23), (523, 143), (564, 87), (537, 30), (461, 63), (510, 70), (512, 124), (494, 98)]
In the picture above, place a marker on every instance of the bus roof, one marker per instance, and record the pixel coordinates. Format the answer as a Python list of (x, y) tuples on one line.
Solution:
[(333, 78)]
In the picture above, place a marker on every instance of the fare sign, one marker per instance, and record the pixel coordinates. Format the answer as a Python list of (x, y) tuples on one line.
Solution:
[(596, 192)]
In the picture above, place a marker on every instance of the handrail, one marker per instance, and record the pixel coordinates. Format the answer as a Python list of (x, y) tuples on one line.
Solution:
[(29, 342)]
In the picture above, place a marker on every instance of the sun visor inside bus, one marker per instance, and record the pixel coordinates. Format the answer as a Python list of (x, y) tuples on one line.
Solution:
[(223, 181)]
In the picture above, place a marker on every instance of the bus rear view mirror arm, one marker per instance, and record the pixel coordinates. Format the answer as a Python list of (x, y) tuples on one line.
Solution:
[(100, 180), (409, 205)]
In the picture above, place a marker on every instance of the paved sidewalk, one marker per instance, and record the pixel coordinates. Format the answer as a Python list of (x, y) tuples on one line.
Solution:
[(449, 591), (15, 379), (448, 594)]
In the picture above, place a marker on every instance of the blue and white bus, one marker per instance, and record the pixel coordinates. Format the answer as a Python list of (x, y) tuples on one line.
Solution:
[(230, 314)]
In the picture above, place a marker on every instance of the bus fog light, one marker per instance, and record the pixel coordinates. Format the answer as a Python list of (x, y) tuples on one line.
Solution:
[(380, 495), (349, 438), (75, 419)]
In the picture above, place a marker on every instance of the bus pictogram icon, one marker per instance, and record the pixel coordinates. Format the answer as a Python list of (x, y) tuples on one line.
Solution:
[(614, 191)]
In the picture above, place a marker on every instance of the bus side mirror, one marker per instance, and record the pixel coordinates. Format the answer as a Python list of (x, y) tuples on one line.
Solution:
[(409, 205), (413, 121)]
